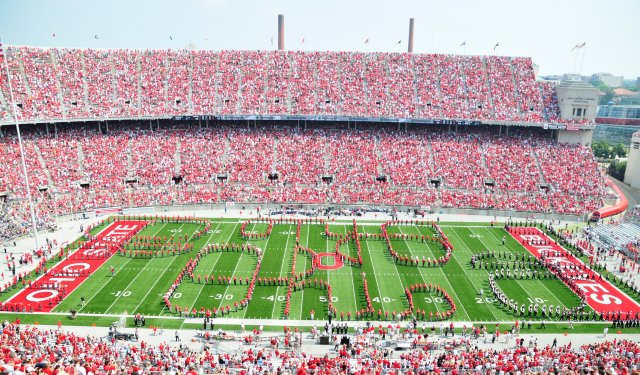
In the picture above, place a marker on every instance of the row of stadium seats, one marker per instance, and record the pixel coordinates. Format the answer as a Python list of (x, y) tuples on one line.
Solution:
[(81, 168), (34, 350), (56, 83)]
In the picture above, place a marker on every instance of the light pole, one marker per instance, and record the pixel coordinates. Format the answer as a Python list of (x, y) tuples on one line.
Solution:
[(24, 164)]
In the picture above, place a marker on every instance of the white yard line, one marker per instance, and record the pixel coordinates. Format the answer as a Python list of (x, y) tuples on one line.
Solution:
[(420, 269), (453, 252), (382, 303), (226, 290), (275, 302), (162, 274), (539, 281), (353, 287), (113, 277), (214, 264), (397, 274), (139, 273), (304, 270)]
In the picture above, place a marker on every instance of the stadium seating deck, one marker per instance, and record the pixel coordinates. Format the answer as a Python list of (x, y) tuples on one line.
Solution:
[(59, 84), (98, 355), (81, 169)]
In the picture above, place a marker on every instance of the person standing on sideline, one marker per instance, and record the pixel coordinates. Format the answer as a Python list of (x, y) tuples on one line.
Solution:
[(177, 337), (113, 271), (555, 342)]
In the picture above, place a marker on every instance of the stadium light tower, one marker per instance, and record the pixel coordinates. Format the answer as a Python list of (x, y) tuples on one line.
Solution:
[(4, 55), (280, 32), (410, 47)]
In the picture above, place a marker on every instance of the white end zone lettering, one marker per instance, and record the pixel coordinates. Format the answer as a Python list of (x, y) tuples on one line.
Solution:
[(48, 294), (94, 252), (74, 264), (62, 280), (531, 237), (72, 267), (559, 260), (599, 295)]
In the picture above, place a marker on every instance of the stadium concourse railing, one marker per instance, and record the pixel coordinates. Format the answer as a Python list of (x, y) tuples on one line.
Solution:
[(619, 207), (265, 207), (426, 121)]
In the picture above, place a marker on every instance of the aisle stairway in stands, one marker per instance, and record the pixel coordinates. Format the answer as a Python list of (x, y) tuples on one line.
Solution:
[(225, 156), (81, 160), (4, 104), (465, 86), (536, 158), (240, 79), (23, 76), (114, 81), (43, 165), (288, 103), (190, 94), (515, 91), (129, 155), (414, 81), (485, 74), (379, 170), (274, 163), (483, 159), (165, 85), (178, 158), (54, 65), (85, 86)]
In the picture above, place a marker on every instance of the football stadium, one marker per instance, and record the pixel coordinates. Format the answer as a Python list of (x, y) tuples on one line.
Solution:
[(192, 211)]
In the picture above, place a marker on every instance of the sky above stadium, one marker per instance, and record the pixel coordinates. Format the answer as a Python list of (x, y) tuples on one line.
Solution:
[(546, 30)]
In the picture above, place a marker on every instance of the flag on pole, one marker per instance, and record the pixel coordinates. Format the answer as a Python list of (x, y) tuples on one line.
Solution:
[(366, 41), (463, 44), (302, 41), (575, 47), (96, 36), (170, 37), (53, 35), (582, 45), (271, 41), (399, 42), (496, 46)]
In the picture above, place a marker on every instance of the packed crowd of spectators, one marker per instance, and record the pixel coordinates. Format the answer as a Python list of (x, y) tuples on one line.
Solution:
[(79, 168), (57, 83), (9, 228), (31, 350)]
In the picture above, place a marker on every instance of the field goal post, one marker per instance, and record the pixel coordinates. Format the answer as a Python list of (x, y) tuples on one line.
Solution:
[(228, 206), (122, 321)]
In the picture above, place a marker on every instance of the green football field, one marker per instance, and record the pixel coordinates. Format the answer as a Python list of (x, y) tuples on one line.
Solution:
[(139, 284)]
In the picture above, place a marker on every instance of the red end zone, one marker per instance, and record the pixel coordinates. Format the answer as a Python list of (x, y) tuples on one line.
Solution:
[(44, 293), (598, 293)]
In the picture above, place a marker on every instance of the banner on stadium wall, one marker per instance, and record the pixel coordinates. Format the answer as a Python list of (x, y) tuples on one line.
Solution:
[(108, 211), (573, 127), (556, 127), (229, 204), (330, 118)]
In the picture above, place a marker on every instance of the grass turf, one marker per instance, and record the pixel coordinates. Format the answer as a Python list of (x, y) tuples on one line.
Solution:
[(139, 284)]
